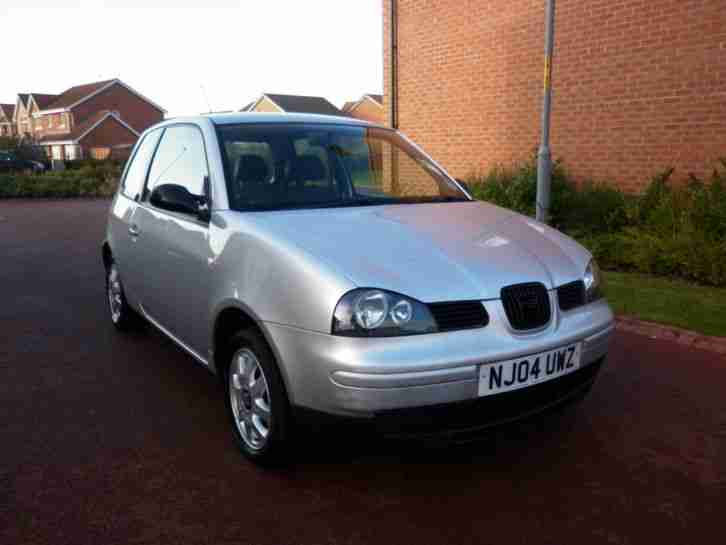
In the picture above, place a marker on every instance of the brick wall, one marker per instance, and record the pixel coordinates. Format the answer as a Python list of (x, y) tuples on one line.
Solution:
[(50, 124), (22, 121), (133, 110), (638, 85), (265, 105), (368, 111), (109, 133)]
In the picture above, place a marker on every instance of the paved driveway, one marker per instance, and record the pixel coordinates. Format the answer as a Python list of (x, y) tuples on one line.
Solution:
[(113, 439)]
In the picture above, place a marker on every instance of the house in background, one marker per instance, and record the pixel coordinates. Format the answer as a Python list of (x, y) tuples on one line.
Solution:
[(7, 127), (22, 117), (369, 107), (292, 104), (91, 120)]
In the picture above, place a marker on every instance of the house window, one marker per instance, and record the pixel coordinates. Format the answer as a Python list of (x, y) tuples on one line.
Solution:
[(57, 153), (73, 152)]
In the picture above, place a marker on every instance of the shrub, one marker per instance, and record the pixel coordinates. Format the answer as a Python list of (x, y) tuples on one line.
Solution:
[(103, 165), (84, 182), (597, 207), (516, 188), (670, 231)]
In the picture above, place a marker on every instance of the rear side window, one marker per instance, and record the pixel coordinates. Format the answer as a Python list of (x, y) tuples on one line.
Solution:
[(180, 160), (136, 173)]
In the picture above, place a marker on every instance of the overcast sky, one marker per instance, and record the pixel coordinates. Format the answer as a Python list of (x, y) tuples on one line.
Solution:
[(168, 49)]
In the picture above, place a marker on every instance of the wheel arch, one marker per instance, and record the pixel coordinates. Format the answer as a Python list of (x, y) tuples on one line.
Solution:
[(230, 317)]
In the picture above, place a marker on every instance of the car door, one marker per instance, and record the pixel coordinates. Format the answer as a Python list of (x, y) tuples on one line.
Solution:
[(174, 246), (122, 226)]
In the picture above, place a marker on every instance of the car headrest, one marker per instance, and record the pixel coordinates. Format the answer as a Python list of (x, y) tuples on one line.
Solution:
[(251, 169), (310, 167)]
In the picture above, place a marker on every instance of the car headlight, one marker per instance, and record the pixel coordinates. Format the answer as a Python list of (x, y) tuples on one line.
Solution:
[(380, 313), (593, 282)]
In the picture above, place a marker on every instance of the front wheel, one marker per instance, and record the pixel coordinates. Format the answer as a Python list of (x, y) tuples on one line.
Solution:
[(256, 399)]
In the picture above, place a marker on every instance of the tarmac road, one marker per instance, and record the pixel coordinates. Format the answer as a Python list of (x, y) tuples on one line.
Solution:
[(107, 438)]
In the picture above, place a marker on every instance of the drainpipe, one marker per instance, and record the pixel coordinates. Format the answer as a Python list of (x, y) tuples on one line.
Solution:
[(394, 64), (394, 93)]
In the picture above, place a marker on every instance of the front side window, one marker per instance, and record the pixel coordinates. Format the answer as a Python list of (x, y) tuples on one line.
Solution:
[(136, 171), (180, 160), (277, 166)]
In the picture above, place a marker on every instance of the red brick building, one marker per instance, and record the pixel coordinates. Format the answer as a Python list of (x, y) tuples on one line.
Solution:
[(91, 120), (369, 107), (276, 103), (637, 86), (7, 126)]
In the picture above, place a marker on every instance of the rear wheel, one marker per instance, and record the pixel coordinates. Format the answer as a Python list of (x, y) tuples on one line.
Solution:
[(256, 399), (122, 315)]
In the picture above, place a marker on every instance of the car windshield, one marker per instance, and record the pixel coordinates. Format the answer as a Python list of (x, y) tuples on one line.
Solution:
[(279, 166)]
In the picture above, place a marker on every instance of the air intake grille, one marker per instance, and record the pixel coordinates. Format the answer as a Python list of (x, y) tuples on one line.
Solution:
[(571, 295), (459, 315), (527, 305)]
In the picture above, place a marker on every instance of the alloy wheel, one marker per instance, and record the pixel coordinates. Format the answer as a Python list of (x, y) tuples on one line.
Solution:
[(115, 294), (249, 397)]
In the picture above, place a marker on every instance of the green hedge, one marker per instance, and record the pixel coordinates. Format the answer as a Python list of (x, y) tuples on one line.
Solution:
[(99, 180), (670, 230)]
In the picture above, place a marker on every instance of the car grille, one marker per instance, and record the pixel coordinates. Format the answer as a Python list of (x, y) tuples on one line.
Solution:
[(459, 315), (527, 305), (571, 295)]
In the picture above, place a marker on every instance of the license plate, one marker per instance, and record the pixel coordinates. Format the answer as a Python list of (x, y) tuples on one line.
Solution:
[(505, 376)]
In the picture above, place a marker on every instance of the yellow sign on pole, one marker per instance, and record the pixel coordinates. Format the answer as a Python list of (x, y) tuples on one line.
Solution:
[(547, 72)]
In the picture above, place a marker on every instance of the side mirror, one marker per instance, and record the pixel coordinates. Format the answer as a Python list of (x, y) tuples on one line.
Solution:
[(463, 184), (175, 198), (204, 203)]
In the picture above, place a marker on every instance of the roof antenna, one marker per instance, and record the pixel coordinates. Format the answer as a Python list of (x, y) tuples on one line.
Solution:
[(206, 98)]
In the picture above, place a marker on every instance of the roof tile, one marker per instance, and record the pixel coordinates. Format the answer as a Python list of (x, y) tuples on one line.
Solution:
[(304, 104), (8, 110), (70, 96), (43, 99)]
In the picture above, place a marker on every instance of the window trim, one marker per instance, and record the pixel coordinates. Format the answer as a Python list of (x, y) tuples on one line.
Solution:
[(122, 185), (218, 127), (144, 200)]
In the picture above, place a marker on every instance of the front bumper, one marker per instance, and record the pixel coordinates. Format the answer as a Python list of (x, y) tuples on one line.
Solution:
[(365, 377)]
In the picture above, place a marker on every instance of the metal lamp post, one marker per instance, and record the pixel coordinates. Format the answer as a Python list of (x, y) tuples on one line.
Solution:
[(544, 157)]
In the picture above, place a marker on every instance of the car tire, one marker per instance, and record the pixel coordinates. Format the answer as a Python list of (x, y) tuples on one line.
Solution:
[(256, 399), (123, 317)]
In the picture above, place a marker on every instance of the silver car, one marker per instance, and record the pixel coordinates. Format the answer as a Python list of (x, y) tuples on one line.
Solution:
[(327, 266)]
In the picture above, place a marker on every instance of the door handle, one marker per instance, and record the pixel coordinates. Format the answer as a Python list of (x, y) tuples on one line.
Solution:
[(134, 230)]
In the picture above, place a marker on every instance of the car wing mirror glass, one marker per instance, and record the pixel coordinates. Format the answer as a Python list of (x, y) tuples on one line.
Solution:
[(175, 198)]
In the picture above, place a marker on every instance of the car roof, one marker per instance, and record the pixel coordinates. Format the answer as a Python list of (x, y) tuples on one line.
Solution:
[(238, 118), (263, 117)]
